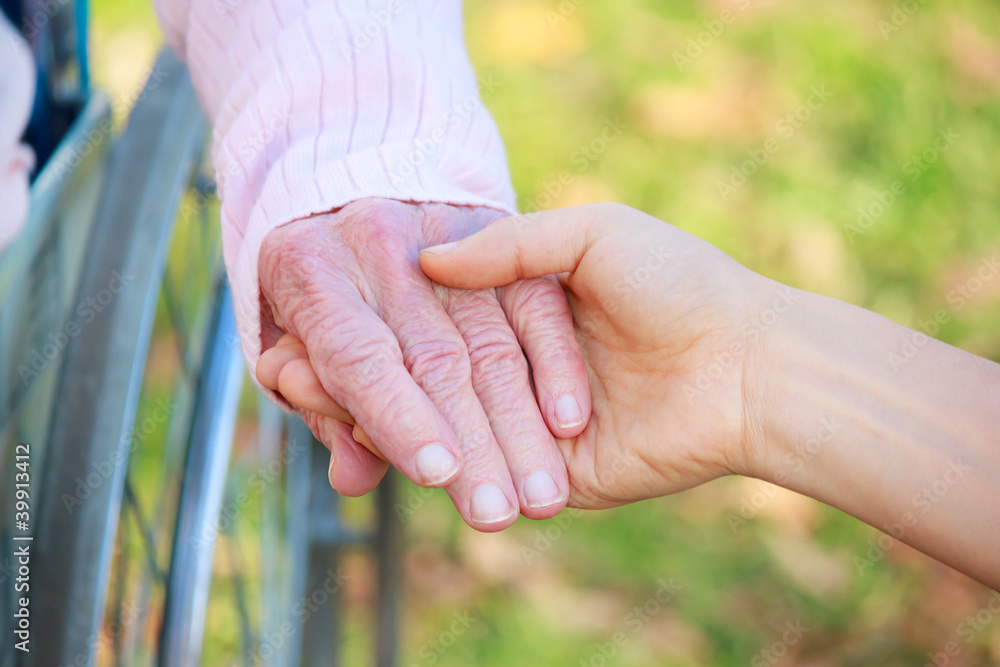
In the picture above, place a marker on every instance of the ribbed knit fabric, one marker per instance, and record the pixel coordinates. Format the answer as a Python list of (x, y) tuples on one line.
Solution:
[(318, 104), (17, 89)]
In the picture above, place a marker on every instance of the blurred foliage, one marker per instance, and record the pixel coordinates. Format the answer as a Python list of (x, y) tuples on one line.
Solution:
[(699, 88)]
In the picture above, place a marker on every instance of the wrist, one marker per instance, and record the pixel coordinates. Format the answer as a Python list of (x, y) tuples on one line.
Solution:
[(773, 335), (817, 380)]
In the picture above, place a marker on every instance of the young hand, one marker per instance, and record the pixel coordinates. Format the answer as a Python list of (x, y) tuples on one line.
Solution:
[(664, 321), (653, 307)]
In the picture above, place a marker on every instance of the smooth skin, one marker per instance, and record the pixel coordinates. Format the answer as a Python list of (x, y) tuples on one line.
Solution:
[(701, 368), (435, 376)]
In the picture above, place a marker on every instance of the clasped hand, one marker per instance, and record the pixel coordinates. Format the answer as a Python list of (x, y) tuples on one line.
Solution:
[(435, 378), (655, 429)]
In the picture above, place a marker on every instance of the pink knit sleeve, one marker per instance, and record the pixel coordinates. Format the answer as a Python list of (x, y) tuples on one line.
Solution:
[(317, 104)]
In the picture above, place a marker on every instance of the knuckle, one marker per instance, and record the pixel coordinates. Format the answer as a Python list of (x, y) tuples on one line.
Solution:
[(319, 427), (370, 212), (560, 358), (289, 252), (311, 420), (553, 350), (298, 278), (439, 363), (534, 289), (277, 263), (497, 360), (539, 303), (384, 243), (374, 224), (395, 417), (363, 361), (478, 444), (545, 326)]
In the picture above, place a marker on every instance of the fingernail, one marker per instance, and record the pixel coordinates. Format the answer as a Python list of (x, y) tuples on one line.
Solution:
[(540, 490), (441, 249), (354, 434), (436, 464), (329, 471), (568, 413), (490, 505)]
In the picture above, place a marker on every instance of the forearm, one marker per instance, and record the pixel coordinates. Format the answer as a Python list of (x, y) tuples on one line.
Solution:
[(897, 429)]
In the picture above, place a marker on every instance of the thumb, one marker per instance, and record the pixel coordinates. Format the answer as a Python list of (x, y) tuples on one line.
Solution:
[(518, 248)]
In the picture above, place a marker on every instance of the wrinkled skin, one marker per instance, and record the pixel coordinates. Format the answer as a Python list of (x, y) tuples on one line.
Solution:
[(668, 327), (417, 365)]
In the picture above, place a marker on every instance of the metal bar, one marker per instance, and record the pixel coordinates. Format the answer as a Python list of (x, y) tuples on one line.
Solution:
[(322, 633), (101, 376), (388, 548), (189, 581)]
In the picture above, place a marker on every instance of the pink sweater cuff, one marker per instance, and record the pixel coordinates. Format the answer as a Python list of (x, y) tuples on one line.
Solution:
[(318, 105)]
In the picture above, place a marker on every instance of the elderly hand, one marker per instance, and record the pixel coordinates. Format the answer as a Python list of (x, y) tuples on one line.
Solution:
[(665, 322), (435, 377)]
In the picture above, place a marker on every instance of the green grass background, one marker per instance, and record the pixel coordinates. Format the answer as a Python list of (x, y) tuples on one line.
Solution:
[(551, 594)]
